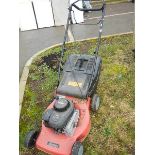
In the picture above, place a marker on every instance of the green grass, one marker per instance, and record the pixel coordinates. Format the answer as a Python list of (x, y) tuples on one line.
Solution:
[(112, 131)]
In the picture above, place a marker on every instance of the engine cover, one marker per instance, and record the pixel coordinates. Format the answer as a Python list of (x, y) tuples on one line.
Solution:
[(59, 115)]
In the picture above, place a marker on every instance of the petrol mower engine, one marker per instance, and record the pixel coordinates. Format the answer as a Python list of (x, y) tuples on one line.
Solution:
[(63, 117)]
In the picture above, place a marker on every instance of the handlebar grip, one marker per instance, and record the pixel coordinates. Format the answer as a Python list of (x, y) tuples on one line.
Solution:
[(80, 9)]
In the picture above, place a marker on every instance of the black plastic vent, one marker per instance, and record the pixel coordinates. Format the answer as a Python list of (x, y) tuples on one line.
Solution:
[(90, 64), (81, 64)]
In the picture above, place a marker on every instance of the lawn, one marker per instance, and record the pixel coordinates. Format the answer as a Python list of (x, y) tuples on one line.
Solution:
[(113, 128)]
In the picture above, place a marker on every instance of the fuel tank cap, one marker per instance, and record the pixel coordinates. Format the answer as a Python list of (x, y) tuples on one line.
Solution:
[(61, 104)]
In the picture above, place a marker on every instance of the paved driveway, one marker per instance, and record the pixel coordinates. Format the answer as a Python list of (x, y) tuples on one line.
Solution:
[(119, 19)]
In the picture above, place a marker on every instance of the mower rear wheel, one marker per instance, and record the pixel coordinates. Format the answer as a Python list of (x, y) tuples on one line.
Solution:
[(31, 139), (77, 149), (95, 103)]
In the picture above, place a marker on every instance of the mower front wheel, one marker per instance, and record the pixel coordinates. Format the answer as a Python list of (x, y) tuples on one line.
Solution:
[(31, 138), (95, 103), (77, 149)]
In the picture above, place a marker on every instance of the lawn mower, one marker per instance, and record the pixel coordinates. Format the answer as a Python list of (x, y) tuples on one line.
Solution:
[(66, 121)]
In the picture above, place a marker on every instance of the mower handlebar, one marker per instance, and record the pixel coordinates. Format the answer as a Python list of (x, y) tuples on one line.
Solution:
[(81, 9)]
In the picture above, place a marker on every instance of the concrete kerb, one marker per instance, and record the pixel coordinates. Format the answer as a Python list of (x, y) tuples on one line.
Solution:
[(25, 73)]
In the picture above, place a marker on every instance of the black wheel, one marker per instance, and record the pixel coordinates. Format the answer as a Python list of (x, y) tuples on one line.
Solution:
[(31, 138), (77, 149), (95, 103)]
